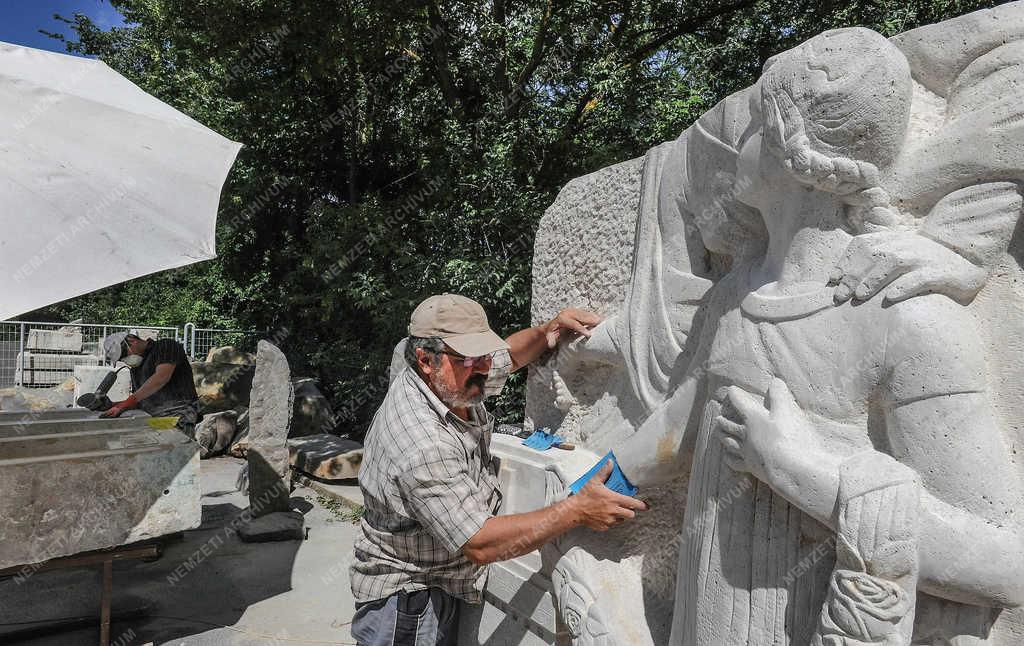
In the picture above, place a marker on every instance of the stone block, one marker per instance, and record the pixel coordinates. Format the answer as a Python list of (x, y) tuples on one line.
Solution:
[(18, 398), (839, 246), (270, 411), (326, 456), (66, 339), (222, 386), (40, 368), (520, 601), (240, 445), (86, 484)]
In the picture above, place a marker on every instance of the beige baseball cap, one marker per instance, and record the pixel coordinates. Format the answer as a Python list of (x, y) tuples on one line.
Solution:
[(459, 321)]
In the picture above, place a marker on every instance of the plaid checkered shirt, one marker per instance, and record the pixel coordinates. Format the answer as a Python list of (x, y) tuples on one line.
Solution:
[(429, 484)]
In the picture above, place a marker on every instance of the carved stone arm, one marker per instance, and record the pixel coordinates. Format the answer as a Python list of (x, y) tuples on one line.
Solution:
[(654, 454)]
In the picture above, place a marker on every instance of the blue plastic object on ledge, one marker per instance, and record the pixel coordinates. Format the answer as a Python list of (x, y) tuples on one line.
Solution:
[(617, 481), (542, 440)]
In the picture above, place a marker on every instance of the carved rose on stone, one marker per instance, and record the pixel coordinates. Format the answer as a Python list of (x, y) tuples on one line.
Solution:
[(572, 621), (862, 609)]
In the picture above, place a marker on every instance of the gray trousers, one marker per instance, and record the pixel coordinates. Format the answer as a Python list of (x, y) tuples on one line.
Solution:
[(420, 618)]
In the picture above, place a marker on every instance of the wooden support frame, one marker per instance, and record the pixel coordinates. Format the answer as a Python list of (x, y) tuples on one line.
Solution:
[(105, 558)]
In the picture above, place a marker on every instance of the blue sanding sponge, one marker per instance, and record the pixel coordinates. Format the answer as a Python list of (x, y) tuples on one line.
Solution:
[(617, 481), (542, 440)]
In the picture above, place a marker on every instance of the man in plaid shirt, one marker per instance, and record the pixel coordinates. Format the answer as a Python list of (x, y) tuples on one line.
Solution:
[(430, 485)]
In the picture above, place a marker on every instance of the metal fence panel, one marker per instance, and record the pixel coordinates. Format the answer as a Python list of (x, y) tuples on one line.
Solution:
[(42, 355), (201, 340)]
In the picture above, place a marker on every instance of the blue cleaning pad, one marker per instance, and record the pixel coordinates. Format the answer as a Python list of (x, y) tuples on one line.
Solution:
[(617, 481), (542, 440)]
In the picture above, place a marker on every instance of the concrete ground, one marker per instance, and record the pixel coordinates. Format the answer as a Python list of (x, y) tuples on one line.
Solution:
[(208, 588)]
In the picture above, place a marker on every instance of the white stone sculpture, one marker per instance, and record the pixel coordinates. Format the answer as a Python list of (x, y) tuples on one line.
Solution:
[(852, 463)]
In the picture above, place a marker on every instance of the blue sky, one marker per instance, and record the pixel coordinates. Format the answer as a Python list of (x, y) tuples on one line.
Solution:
[(21, 20)]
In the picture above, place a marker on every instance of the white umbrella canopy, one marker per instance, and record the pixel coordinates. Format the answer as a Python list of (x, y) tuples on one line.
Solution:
[(99, 181)]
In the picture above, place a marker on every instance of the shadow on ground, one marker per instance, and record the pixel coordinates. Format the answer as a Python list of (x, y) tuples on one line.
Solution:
[(204, 580)]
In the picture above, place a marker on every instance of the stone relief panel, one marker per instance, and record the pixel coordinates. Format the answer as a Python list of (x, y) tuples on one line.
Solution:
[(834, 451)]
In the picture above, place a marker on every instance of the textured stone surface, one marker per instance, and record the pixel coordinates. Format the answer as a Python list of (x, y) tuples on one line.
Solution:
[(230, 354), (582, 255), (594, 273), (326, 456), (240, 445), (894, 418), (270, 410), (215, 433), (311, 413), (222, 386), (69, 491), (276, 526)]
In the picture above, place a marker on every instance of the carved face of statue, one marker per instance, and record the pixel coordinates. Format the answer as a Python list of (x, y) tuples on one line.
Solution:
[(834, 115)]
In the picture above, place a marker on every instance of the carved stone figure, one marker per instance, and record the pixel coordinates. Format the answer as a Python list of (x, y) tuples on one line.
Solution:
[(824, 277)]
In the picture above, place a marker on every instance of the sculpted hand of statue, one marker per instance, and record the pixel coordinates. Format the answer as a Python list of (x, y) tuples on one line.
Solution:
[(598, 346), (762, 438), (904, 264), (773, 440)]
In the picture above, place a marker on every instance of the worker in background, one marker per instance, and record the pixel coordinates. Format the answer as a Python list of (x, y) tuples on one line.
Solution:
[(162, 382)]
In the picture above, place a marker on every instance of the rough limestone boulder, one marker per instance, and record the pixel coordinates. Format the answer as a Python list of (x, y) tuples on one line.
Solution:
[(311, 413), (230, 354), (215, 433), (18, 398), (222, 386)]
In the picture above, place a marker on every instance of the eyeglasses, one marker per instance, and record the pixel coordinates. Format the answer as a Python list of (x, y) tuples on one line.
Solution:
[(468, 362)]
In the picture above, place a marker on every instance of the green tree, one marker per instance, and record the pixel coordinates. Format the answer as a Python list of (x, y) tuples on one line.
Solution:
[(398, 149)]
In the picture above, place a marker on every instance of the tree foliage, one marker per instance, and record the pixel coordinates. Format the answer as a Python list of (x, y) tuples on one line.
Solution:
[(398, 149)]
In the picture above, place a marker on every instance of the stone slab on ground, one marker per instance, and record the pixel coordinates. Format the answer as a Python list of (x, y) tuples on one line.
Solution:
[(326, 456), (276, 526)]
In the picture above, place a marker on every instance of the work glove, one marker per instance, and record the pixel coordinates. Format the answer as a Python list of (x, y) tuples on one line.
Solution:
[(120, 407)]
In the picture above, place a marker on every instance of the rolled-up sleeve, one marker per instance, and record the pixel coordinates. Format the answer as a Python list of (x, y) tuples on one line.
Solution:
[(439, 491)]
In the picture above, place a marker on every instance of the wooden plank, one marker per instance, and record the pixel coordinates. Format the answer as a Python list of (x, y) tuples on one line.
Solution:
[(90, 558)]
